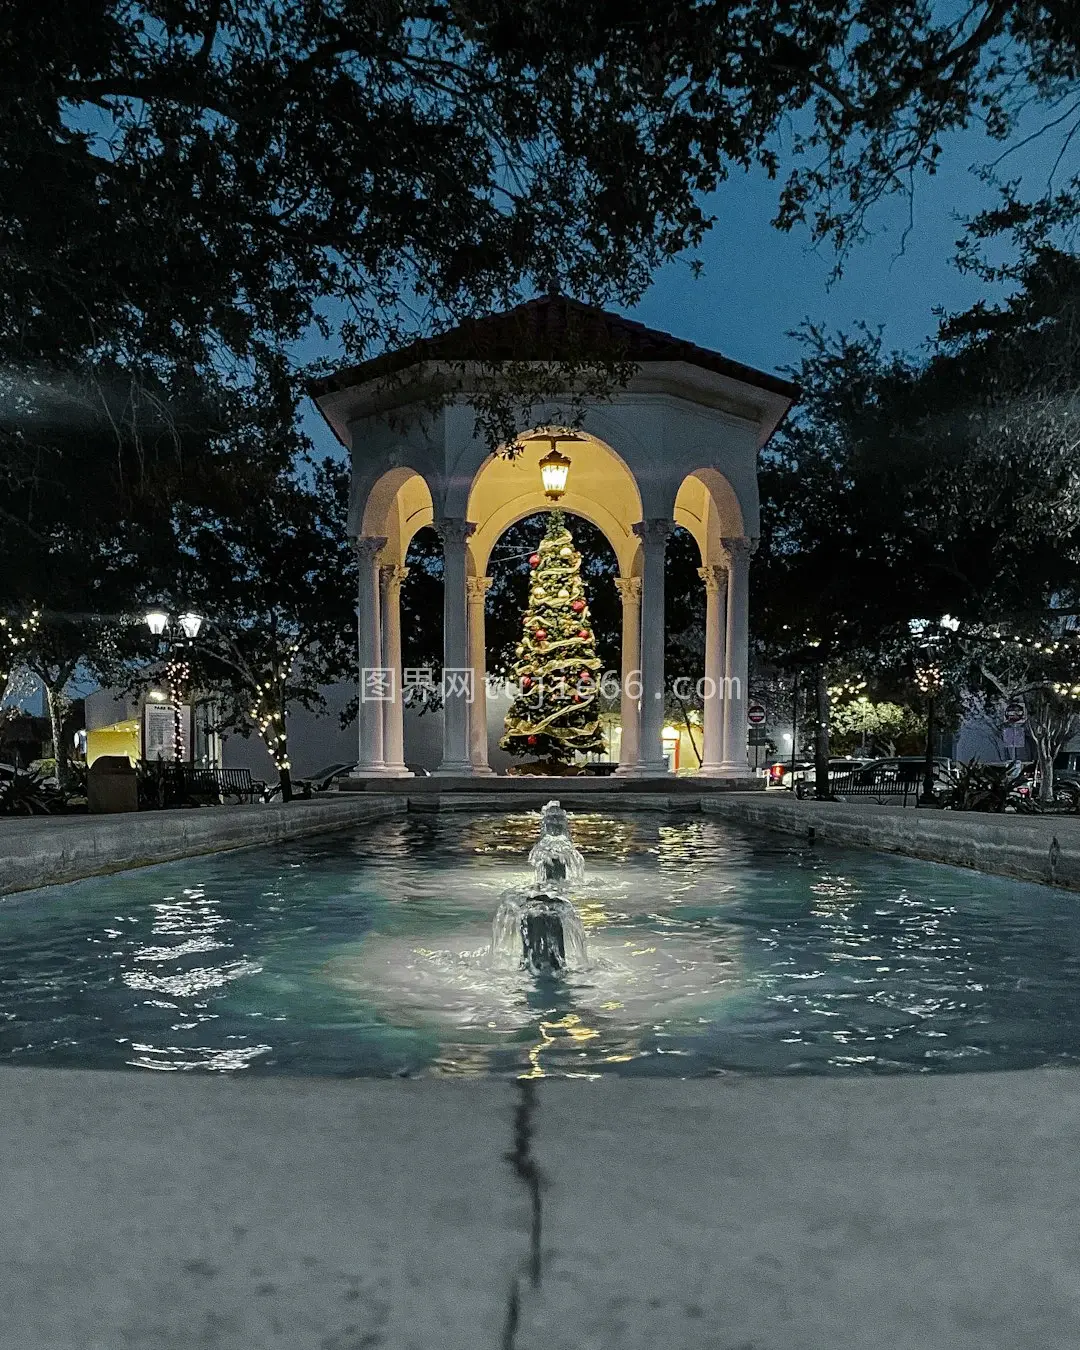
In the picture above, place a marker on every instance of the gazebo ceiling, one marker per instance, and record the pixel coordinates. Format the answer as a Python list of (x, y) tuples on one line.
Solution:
[(550, 328)]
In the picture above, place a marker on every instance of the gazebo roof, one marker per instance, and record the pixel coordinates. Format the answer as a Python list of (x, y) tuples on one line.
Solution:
[(547, 329)]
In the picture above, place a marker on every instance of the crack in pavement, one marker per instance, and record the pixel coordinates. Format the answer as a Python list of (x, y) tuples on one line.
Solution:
[(528, 1173)]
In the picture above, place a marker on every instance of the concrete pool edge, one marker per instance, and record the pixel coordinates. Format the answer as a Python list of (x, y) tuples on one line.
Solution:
[(49, 850), (625, 1214), (1044, 849)]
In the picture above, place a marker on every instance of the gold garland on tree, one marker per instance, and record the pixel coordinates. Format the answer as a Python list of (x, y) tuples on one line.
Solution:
[(555, 714)]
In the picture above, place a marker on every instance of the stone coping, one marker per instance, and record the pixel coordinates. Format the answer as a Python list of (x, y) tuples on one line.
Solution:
[(568, 797), (169, 1211), (1031, 848), (42, 850), (553, 785)]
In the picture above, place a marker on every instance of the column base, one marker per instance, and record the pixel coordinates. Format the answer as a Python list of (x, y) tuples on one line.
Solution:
[(730, 770), (483, 771), (626, 771), (714, 770), (454, 768), (644, 769), (379, 771)]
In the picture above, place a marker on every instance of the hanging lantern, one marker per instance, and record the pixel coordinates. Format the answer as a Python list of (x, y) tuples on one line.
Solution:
[(554, 469)]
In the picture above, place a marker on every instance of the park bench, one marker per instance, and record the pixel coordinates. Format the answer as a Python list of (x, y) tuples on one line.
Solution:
[(185, 784)]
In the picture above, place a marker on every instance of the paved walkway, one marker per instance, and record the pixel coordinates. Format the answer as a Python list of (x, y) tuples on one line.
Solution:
[(169, 1212)]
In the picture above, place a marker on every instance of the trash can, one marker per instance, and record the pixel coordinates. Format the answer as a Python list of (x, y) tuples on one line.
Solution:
[(112, 784)]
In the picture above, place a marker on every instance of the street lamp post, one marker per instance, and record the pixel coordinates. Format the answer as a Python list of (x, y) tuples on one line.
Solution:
[(188, 624), (928, 679)]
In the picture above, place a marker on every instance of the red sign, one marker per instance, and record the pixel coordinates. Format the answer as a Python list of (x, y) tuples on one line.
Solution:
[(755, 714), (1015, 713)]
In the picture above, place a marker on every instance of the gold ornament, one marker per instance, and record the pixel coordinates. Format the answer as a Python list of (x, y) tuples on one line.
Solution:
[(566, 551), (564, 594)]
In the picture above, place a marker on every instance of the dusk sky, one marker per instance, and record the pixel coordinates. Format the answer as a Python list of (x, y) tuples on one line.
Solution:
[(758, 284)]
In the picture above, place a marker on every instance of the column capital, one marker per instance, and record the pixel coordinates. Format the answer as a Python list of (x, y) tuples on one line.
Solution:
[(454, 529), (739, 547), (630, 589), (368, 546), (391, 574), (715, 578), (477, 587), (654, 532)]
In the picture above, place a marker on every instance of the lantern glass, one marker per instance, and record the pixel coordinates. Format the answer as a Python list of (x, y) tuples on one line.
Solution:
[(554, 469), (157, 621), (190, 623)]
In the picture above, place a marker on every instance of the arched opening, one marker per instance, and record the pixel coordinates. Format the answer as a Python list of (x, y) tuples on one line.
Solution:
[(392, 511), (600, 488), (707, 507), (397, 506), (507, 602), (422, 594), (508, 567), (684, 645), (707, 639)]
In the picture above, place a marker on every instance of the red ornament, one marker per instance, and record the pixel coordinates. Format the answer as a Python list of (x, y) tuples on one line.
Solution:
[(578, 606), (577, 698), (526, 680), (585, 677), (532, 740), (583, 633), (540, 635), (534, 559)]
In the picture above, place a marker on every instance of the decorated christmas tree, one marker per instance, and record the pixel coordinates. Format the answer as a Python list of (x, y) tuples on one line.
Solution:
[(557, 669)]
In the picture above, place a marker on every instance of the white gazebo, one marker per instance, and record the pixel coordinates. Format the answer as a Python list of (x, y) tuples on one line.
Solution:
[(677, 445)]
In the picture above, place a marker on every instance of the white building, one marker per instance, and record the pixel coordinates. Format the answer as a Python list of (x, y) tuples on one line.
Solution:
[(677, 446)]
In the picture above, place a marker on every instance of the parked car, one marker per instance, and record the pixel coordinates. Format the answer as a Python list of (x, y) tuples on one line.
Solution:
[(780, 772), (901, 774), (804, 777), (1066, 780)]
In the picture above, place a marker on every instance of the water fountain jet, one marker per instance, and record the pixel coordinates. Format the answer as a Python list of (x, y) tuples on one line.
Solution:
[(540, 930)]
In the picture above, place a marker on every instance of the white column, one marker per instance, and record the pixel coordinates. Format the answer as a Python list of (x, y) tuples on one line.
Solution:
[(736, 664), (478, 724), (629, 706), (712, 754), (457, 677), (390, 578), (654, 536), (370, 718)]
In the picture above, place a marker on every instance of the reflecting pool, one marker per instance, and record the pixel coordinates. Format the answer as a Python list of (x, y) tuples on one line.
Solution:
[(710, 950)]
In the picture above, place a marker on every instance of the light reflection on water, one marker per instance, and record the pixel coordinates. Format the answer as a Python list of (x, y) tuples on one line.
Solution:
[(712, 952)]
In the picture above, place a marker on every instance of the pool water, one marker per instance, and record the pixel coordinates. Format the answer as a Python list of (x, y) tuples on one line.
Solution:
[(711, 951)]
